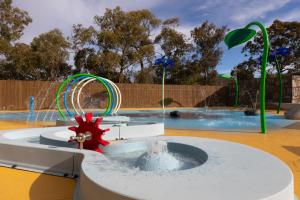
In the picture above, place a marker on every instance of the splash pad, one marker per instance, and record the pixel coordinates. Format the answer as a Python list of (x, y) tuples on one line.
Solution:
[(146, 165), (214, 169)]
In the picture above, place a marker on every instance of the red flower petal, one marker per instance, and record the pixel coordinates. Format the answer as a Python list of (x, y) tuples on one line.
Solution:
[(73, 128), (88, 117), (98, 121), (103, 142), (99, 150), (79, 120)]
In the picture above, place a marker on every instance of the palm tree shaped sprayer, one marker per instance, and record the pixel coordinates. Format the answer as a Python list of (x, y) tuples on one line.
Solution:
[(242, 35)]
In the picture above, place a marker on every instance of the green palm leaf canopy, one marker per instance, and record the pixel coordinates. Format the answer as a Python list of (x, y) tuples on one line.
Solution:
[(227, 76), (238, 36)]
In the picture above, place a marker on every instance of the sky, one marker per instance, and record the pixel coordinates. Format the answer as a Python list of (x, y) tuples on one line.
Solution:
[(62, 14)]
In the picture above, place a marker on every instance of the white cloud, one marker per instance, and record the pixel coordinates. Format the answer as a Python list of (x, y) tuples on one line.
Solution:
[(293, 15), (224, 71), (255, 9), (49, 14), (209, 5), (238, 12), (62, 14), (185, 29)]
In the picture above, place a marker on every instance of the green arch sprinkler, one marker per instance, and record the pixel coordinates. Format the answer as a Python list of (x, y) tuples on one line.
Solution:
[(240, 36), (236, 86)]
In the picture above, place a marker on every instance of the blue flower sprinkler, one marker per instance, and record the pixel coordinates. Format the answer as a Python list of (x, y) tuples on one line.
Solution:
[(165, 62)]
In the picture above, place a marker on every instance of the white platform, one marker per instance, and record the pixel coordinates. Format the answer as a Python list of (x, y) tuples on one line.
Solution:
[(105, 119), (231, 172)]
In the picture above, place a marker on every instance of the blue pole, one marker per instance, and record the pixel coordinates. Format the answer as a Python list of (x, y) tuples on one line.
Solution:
[(31, 108)]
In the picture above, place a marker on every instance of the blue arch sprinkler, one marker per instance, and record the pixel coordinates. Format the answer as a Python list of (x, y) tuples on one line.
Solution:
[(242, 35), (165, 62)]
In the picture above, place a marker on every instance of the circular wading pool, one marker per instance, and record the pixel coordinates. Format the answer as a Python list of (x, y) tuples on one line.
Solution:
[(156, 155), (198, 168)]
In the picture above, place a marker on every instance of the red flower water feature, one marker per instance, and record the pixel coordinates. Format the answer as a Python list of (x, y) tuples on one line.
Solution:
[(88, 134)]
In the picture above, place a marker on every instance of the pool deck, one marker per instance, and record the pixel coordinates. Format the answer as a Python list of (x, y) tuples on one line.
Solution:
[(19, 184)]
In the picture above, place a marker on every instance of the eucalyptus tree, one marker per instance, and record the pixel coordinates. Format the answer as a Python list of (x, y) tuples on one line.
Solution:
[(117, 41), (175, 46), (246, 69), (13, 21), (19, 65), (284, 50), (12, 24), (207, 51), (281, 35), (50, 53)]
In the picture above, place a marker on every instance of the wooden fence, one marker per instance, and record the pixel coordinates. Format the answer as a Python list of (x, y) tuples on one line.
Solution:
[(14, 95)]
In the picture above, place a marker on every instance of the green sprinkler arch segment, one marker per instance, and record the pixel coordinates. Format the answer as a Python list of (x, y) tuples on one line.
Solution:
[(118, 95), (240, 36), (64, 83), (236, 86)]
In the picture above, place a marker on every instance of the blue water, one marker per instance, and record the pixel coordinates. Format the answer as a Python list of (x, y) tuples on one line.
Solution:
[(191, 119)]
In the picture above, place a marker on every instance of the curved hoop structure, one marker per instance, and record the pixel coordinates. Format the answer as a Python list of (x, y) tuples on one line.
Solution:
[(73, 93), (80, 81)]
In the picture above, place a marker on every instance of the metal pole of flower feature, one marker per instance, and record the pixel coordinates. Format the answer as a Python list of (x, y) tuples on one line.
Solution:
[(164, 62), (163, 89), (236, 102), (282, 51), (279, 76), (240, 36)]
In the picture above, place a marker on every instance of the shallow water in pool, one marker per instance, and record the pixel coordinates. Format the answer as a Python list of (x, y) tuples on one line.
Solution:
[(231, 120)]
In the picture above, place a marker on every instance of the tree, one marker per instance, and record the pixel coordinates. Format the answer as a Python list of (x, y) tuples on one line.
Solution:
[(146, 75), (12, 24), (207, 50), (117, 41), (19, 63), (245, 70), (144, 45), (281, 34), (50, 55), (176, 47)]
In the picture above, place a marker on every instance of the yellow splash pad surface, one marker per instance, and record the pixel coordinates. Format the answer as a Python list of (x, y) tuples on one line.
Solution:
[(18, 184)]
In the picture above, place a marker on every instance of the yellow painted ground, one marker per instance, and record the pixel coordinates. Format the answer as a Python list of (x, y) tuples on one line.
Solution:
[(6, 125), (17, 184), (23, 185)]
